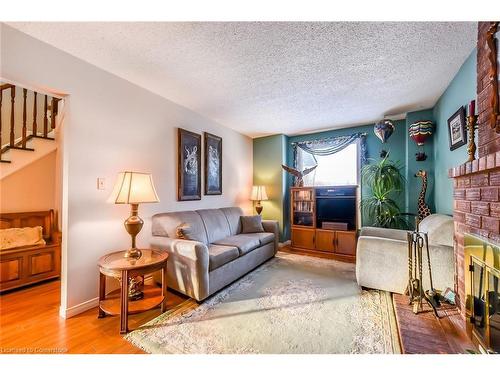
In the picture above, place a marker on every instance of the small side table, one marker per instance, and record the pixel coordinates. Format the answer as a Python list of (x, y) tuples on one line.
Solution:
[(117, 266)]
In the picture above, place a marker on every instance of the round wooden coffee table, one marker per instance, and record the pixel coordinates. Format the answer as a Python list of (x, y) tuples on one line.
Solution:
[(117, 266)]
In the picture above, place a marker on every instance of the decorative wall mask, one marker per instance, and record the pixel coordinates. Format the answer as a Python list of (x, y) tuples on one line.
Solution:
[(383, 130)]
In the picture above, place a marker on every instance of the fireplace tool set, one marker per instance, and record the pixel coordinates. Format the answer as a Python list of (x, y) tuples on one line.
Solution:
[(417, 241)]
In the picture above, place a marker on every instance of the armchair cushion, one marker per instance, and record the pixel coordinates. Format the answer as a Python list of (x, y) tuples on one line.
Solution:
[(440, 229)]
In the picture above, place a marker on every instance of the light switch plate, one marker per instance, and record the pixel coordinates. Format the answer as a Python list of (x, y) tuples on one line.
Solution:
[(101, 183)]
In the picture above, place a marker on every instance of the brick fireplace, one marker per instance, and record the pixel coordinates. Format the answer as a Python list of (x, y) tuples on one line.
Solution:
[(477, 183)]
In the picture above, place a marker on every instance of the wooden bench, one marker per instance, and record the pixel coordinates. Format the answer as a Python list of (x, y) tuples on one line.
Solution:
[(30, 264)]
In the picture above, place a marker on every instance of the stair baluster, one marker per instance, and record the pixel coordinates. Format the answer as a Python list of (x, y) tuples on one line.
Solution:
[(12, 100), (23, 142), (53, 113), (34, 131), (45, 120)]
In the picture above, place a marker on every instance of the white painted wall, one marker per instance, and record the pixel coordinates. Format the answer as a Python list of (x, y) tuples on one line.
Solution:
[(112, 125)]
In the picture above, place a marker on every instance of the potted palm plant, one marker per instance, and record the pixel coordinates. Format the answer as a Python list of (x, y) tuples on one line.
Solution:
[(385, 182)]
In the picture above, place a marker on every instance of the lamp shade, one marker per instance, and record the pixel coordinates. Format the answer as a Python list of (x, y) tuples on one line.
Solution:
[(133, 188), (259, 193)]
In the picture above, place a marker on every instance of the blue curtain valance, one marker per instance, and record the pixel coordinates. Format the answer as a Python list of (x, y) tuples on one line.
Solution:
[(332, 145)]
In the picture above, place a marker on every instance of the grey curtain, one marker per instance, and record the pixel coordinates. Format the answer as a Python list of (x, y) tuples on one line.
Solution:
[(331, 145)]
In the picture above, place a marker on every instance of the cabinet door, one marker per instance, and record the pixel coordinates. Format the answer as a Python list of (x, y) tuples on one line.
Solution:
[(325, 240), (345, 243), (302, 237)]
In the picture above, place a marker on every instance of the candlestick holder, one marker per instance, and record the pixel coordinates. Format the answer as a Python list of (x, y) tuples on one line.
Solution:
[(471, 127)]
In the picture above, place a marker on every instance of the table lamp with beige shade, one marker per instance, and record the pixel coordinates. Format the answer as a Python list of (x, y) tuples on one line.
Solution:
[(259, 194), (133, 188)]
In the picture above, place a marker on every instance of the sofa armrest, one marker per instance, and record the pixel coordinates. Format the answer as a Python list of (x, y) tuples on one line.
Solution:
[(272, 226), (187, 265), (395, 234)]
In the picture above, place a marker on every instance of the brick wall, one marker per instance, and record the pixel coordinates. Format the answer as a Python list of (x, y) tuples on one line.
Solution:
[(476, 207), (488, 139)]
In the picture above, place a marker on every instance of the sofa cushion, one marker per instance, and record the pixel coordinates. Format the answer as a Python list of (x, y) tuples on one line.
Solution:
[(166, 224), (440, 229), (233, 215), (251, 224), (219, 255), (216, 224), (264, 238), (244, 242)]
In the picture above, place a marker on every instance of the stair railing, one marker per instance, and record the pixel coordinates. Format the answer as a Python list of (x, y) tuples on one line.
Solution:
[(20, 143)]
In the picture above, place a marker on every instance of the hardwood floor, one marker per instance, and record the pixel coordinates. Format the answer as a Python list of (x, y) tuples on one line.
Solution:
[(425, 334), (30, 323)]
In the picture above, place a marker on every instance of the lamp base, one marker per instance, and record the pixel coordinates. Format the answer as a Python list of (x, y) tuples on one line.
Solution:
[(133, 253), (133, 225), (258, 208)]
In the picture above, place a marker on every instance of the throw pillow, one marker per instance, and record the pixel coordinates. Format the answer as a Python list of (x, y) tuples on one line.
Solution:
[(184, 232), (251, 224)]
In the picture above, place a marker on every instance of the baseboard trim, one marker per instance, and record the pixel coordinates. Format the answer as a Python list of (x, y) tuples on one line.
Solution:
[(87, 305), (78, 309)]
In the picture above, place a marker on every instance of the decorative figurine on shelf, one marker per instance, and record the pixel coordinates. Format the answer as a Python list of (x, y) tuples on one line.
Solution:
[(383, 129), (299, 176), (419, 131), (423, 208), (471, 127)]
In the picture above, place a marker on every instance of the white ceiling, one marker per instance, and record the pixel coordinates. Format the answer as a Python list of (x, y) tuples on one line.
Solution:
[(269, 77)]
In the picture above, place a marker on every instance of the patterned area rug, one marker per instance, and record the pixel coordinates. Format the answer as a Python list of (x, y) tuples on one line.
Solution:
[(291, 304)]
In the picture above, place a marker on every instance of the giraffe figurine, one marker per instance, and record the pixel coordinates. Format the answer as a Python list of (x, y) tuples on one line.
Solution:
[(423, 208)]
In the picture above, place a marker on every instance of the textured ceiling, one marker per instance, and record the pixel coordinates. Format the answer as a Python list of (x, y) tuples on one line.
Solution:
[(272, 77)]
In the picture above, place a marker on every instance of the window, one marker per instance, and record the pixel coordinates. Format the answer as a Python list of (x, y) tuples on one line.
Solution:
[(340, 168)]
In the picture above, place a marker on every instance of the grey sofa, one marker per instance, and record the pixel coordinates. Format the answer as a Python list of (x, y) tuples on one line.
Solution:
[(218, 254), (382, 256)]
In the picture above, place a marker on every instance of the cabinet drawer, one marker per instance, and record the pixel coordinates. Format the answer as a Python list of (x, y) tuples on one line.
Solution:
[(303, 238), (325, 240)]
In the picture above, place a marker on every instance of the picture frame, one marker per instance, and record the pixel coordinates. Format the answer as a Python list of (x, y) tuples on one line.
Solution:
[(457, 129), (188, 165), (213, 164)]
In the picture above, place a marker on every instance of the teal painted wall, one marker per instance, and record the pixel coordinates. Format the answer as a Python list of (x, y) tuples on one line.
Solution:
[(268, 155), (414, 184), (460, 92)]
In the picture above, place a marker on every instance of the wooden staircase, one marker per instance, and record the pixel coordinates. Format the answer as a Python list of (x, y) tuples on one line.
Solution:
[(22, 137)]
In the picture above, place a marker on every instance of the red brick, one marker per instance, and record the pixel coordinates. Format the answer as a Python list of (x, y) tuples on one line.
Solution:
[(495, 178), (497, 159), (473, 194), (479, 180), (495, 237), (475, 166), (464, 182), (489, 194), (459, 216), (479, 232), (491, 224), (482, 163), (490, 161), (463, 206), (480, 208), (468, 167), (495, 210), (473, 220), (461, 169), (459, 193)]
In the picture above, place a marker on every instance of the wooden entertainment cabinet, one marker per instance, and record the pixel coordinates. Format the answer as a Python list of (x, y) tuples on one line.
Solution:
[(308, 237)]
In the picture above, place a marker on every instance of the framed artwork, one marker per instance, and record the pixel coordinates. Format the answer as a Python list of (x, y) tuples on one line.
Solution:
[(457, 129), (189, 165), (213, 164)]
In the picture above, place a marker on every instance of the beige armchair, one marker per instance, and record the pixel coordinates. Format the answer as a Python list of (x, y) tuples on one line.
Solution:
[(382, 256)]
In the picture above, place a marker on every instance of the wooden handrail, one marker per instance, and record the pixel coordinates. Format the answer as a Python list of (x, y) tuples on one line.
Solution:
[(6, 86)]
